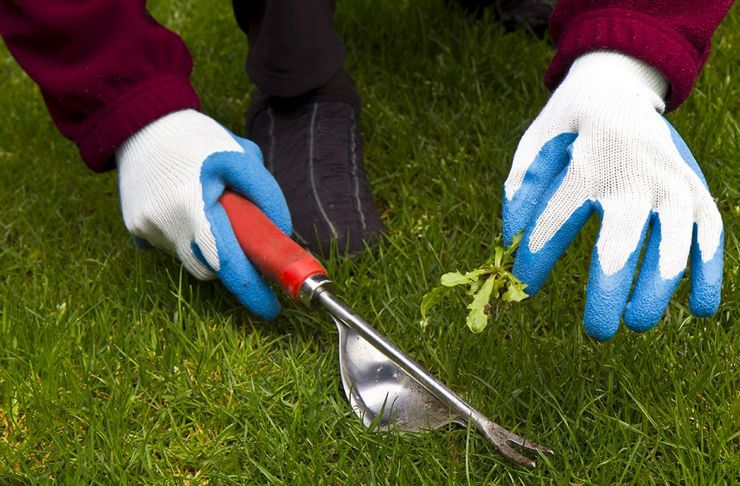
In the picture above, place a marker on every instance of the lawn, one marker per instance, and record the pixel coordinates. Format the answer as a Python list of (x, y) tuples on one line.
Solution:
[(116, 366)]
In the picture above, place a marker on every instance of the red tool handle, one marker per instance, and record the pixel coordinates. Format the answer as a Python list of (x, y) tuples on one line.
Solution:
[(276, 256)]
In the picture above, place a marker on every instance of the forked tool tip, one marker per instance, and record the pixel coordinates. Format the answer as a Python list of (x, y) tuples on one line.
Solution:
[(505, 442)]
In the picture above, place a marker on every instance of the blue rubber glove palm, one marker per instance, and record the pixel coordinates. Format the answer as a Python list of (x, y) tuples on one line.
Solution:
[(171, 176), (601, 145)]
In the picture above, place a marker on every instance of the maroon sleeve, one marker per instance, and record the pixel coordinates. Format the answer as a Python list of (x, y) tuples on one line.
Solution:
[(673, 36), (105, 68)]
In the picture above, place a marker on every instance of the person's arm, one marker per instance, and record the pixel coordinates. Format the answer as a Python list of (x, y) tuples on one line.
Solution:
[(672, 36), (105, 68), (116, 83)]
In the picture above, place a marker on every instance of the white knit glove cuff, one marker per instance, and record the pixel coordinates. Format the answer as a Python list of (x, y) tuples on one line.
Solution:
[(611, 68)]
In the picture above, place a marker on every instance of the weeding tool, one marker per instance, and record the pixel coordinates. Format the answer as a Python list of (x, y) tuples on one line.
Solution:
[(381, 382)]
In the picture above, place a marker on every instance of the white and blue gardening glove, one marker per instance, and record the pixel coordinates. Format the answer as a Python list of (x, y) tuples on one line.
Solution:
[(601, 145), (171, 176)]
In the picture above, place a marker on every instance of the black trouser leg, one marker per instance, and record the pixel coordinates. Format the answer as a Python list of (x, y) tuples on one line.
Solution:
[(305, 119), (293, 45), (532, 15)]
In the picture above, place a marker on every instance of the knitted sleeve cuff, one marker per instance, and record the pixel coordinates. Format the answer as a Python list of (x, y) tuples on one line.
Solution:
[(637, 35), (135, 109)]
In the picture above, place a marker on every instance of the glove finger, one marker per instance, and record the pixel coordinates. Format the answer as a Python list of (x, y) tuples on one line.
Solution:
[(613, 264), (250, 178), (707, 243), (558, 219), (662, 267), (535, 168), (706, 263), (194, 263), (245, 174), (235, 271)]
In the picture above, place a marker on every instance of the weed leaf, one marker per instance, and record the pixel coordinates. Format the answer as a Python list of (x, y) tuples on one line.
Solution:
[(477, 319), (453, 279), (430, 300), (514, 293)]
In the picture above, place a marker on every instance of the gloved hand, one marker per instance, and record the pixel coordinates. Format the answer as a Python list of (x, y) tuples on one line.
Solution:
[(171, 175), (601, 144)]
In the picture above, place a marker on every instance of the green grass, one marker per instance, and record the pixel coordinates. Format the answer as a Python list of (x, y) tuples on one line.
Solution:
[(118, 367)]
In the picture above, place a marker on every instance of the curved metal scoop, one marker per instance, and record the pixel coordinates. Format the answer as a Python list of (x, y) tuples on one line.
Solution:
[(381, 392)]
